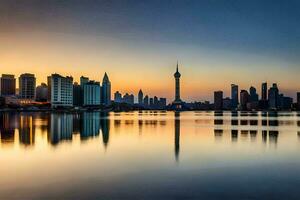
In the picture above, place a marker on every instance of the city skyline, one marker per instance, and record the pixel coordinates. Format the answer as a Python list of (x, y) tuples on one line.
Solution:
[(245, 43), (227, 91)]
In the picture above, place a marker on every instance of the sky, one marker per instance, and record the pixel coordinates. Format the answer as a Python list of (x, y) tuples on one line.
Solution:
[(216, 42)]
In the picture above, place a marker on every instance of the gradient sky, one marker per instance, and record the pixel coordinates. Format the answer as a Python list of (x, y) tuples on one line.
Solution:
[(217, 42)]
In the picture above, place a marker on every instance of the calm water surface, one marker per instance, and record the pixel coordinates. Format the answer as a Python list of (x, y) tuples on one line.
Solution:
[(150, 155)]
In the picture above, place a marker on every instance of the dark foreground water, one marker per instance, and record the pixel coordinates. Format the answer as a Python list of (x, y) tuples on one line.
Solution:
[(150, 155)]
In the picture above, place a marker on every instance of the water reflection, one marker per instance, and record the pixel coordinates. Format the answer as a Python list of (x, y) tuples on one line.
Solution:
[(249, 124), (105, 126), (177, 135), (26, 130), (101, 152), (62, 127)]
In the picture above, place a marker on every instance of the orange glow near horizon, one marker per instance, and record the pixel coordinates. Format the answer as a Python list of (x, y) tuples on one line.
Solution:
[(131, 68)]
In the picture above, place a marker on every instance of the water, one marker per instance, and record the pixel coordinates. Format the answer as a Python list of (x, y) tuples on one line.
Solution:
[(150, 155)]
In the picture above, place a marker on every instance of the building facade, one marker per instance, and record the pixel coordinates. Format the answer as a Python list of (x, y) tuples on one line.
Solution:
[(106, 91), (273, 97), (41, 93), (118, 97), (7, 85), (234, 96), (146, 100), (244, 99), (77, 95), (218, 100), (253, 94), (27, 84), (140, 97), (298, 100), (264, 91), (91, 94), (61, 90)]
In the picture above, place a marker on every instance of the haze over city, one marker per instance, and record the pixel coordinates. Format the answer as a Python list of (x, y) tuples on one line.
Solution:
[(138, 43)]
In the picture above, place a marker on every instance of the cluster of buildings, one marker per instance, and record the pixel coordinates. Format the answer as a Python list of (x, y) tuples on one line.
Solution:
[(271, 99), (144, 102), (59, 91)]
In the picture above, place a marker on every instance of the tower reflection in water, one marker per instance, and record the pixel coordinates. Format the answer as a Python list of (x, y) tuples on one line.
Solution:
[(247, 122), (177, 135), (27, 128), (105, 127)]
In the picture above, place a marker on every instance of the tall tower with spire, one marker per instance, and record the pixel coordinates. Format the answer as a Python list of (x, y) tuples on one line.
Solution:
[(177, 76), (106, 90)]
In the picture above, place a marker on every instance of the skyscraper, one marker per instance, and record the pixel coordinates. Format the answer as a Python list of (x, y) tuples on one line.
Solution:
[(218, 100), (27, 84), (77, 94), (264, 91), (140, 97), (83, 80), (61, 90), (244, 99), (177, 76), (128, 98), (234, 96), (273, 97), (7, 85), (91, 93), (118, 97), (253, 94), (106, 90), (146, 100), (298, 100)]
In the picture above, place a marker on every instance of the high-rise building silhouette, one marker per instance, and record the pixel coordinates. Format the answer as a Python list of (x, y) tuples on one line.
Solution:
[(77, 94), (285, 103), (106, 90), (7, 85), (91, 93), (234, 96), (298, 100), (41, 93), (155, 101), (128, 98), (244, 99), (273, 97), (146, 100), (162, 103), (218, 100), (264, 91), (140, 97), (61, 90), (151, 103), (253, 94), (27, 84), (117, 97), (83, 80)]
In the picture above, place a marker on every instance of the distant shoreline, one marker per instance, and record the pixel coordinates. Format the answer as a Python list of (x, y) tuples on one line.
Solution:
[(72, 110)]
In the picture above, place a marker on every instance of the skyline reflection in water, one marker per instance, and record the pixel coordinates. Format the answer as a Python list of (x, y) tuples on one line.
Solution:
[(75, 153)]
